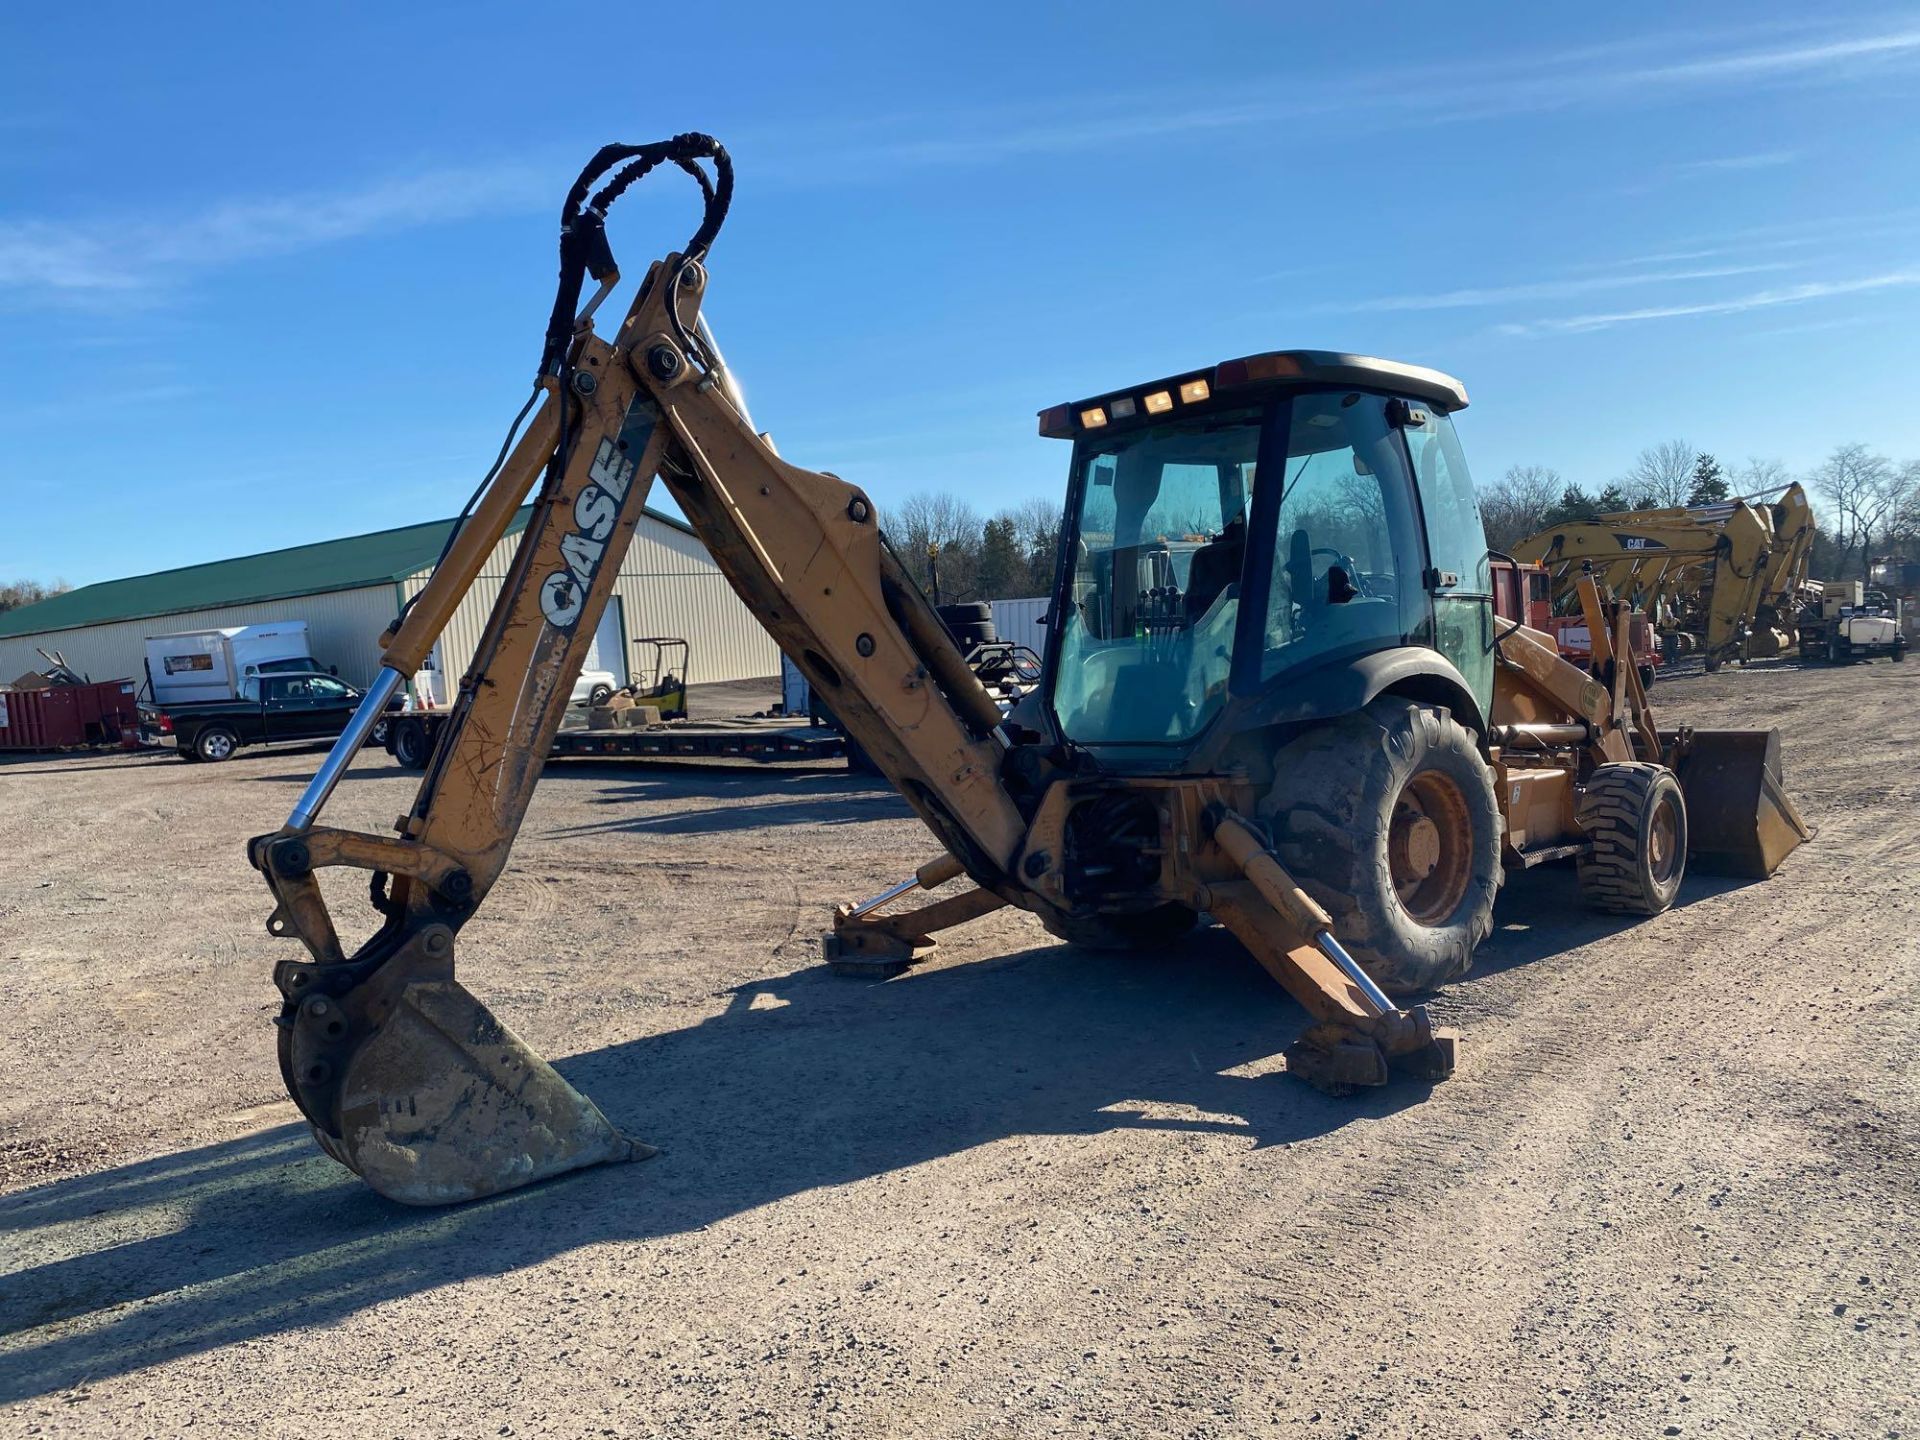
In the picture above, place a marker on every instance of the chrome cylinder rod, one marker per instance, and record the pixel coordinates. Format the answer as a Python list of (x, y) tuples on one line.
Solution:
[(867, 907), (728, 385), (1350, 967), (372, 706)]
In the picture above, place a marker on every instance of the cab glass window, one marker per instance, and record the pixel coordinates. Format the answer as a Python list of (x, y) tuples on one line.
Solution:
[(1346, 554), (1457, 545), (1153, 586)]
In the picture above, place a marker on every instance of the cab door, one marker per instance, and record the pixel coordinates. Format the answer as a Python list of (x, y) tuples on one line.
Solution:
[(330, 704), (283, 708), (1459, 577)]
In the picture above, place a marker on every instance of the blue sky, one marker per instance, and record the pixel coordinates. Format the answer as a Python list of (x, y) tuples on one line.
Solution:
[(272, 274)]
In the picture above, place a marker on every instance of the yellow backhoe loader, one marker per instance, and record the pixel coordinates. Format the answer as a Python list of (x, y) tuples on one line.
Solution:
[(1277, 695)]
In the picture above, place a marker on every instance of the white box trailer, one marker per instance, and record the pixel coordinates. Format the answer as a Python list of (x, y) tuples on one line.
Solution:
[(216, 664)]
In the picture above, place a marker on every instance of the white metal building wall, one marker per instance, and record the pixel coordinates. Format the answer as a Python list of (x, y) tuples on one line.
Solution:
[(1020, 622), (343, 625), (668, 585)]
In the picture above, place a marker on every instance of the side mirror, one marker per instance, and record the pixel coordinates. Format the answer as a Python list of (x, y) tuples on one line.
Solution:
[(333, 669)]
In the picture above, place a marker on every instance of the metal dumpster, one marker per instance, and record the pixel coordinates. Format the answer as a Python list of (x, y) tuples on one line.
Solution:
[(54, 717)]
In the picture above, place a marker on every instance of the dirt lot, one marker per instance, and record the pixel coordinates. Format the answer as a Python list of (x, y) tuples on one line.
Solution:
[(1675, 1188)]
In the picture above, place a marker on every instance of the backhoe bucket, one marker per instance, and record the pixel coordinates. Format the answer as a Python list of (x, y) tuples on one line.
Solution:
[(443, 1103), (1739, 818)]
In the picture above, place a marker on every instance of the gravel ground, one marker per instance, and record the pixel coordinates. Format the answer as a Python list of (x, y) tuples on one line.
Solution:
[(1674, 1190)]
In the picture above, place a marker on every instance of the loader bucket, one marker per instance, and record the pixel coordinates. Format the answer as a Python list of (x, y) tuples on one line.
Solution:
[(1739, 818), (443, 1104)]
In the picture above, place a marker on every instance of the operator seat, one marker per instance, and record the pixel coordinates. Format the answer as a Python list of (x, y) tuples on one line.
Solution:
[(1338, 585), (1215, 565)]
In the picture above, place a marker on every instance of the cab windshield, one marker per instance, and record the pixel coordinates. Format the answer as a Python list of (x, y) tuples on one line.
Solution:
[(1154, 589), (1175, 537)]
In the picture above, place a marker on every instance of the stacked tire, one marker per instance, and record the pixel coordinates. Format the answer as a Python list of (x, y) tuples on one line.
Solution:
[(970, 624)]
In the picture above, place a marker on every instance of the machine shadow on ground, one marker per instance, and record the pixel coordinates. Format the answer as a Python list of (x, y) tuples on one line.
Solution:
[(803, 1081), (670, 800)]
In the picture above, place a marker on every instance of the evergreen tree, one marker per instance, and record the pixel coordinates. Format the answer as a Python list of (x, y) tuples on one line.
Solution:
[(1709, 481), (1573, 504), (1001, 569), (1613, 500)]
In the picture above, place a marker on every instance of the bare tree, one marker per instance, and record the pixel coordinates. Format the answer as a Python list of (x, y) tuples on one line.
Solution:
[(1036, 526), (1516, 505), (937, 535), (16, 593), (1758, 476), (1903, 525), (1661, 476), (1865, 492)]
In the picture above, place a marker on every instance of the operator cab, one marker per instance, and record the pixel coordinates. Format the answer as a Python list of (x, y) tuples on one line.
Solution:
[(1243, 529)]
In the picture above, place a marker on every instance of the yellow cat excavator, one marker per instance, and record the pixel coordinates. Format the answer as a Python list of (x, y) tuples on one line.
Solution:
[(1277, 695), (1726, 577)]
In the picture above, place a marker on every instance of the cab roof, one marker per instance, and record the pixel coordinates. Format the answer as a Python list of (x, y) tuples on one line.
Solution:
[(1235, 380)]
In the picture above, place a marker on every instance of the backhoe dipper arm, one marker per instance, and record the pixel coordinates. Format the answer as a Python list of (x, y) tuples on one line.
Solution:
[(403, 1074)]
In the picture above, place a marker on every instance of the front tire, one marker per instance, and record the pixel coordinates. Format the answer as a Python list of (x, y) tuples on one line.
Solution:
[(1388, 818), (214, 744), (1635, 818), (599, 696)]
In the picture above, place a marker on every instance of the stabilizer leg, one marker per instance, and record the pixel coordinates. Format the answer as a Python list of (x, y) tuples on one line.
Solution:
[(868, 945), (1358, 1032)]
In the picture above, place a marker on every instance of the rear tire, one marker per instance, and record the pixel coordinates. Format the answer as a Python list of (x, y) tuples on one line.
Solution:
[(1635, 817), (1149, 930), (599, 696), (410, 747), (1647, 673), (1388, 818), (214, 744)]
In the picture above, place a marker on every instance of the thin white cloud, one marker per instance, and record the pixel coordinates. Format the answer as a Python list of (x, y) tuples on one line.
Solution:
[(1538, 290), (113, 257), (1761, 160), (1366, 100), (1737, 305), (110, 259)]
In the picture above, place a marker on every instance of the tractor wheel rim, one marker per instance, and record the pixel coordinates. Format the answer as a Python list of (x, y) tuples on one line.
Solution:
[(1430, 847), (1663, 841)]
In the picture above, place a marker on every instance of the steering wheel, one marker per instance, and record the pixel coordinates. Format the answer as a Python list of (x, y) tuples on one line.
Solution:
[(1346, 563)]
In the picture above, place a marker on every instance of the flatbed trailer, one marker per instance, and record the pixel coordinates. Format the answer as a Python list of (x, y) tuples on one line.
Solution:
[(764, 738), (744, 739)]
